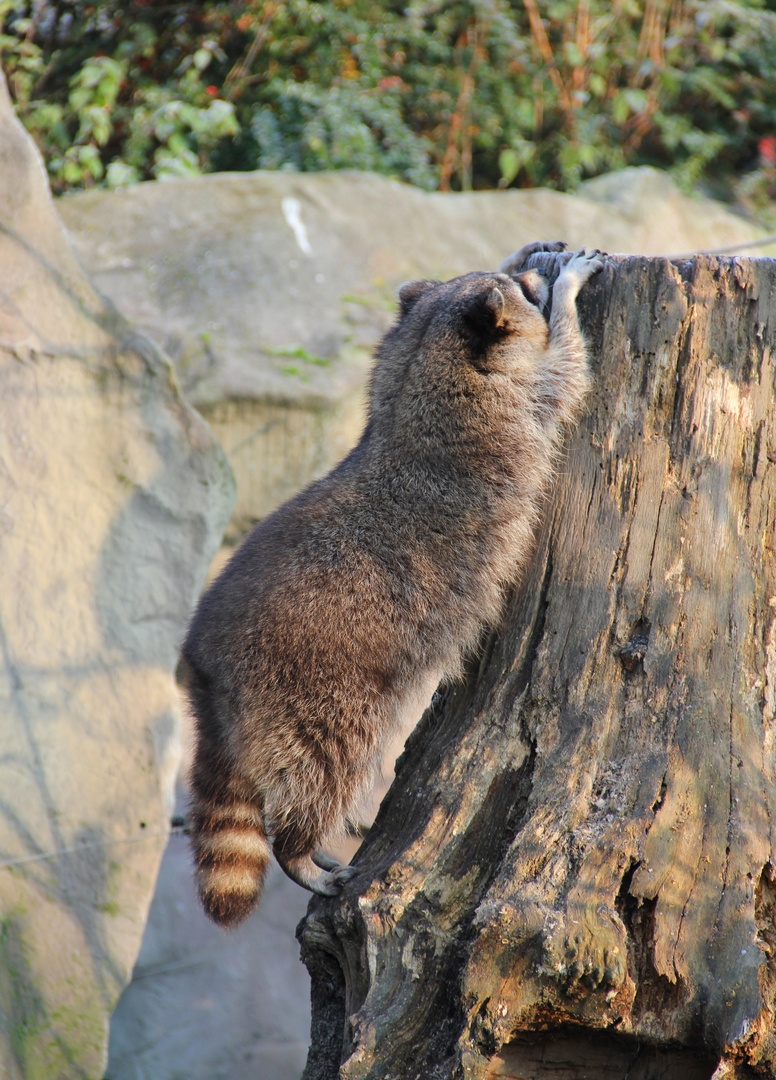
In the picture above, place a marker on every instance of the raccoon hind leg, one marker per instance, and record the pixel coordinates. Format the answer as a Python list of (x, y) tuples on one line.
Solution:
[(317, 797), (297, 852), (324, 861)]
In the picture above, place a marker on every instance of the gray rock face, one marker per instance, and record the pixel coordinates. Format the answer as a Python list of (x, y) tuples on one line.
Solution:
[(113, 499), (270, 290)]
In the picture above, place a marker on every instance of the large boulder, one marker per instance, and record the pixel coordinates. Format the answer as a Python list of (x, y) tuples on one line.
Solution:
[(270, 290), (113, 499)]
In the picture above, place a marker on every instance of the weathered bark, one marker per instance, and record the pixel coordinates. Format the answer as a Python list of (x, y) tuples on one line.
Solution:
[(574, 873)]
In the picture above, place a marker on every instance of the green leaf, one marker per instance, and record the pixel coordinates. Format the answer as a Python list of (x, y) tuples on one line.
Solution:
[(202, 59), (636, 100), (620, 108), (512, 159), (119, 174)]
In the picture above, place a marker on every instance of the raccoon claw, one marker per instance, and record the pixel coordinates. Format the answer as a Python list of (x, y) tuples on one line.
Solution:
[(582, 265), (342, 875), (338, 873), (592, 261)]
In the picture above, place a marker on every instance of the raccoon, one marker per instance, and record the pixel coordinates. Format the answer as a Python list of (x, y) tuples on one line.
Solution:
[(344, 609)]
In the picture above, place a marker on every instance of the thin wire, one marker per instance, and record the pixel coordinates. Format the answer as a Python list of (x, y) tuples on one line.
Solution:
[(726, 250), (174, 831)]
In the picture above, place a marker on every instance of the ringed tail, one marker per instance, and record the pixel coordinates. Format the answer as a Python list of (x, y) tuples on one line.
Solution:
[(231, 855)]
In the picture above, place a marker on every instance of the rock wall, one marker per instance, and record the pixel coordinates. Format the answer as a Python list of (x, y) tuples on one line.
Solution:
[(113, 499), (270, 290)]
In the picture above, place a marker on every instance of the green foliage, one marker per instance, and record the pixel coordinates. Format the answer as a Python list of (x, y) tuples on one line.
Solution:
[(111, 94), (456, 94)]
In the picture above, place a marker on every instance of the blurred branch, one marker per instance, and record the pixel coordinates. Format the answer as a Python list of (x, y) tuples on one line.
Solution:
[(241, 70), (542, 42), (460, 123)]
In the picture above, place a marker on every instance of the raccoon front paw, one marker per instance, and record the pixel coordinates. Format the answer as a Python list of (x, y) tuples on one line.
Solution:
[(513, 263), (581, 267)]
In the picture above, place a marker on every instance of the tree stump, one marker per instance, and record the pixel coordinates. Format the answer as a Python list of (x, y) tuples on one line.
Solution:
[(574, 873)]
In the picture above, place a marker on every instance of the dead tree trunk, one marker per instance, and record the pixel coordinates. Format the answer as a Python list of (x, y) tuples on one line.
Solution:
[(574, 871)]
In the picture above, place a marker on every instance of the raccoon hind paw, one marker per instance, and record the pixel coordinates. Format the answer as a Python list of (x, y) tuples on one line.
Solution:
[(319, 873)]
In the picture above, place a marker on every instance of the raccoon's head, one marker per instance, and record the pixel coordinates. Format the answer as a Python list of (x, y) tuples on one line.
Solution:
[(487, 300), (451, 335), (480, 319)]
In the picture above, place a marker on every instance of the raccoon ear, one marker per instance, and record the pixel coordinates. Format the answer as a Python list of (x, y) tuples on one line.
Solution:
[(485, 311), (410, 292)]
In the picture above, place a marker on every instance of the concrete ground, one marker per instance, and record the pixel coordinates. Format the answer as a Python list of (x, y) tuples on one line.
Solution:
[(205, 1003)]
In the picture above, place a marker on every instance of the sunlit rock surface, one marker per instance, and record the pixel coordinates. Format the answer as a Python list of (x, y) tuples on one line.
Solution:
[(113, 499)]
